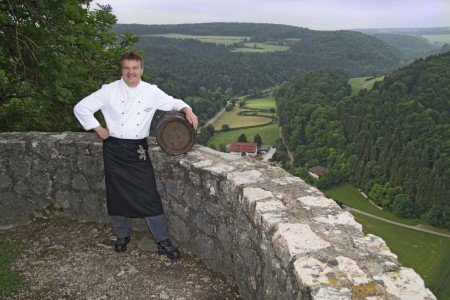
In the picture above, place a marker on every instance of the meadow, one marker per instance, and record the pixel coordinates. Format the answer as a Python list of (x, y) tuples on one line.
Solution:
[(244, 45), (438, 38), (260, 48), (224, 40), (268, 133), (265, 103), (240, 123), (360, 83), (427, 254), (350, 196), (234, 120)]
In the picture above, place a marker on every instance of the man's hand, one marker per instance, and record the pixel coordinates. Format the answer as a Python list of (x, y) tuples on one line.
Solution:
[(102, 132), (190, 117)]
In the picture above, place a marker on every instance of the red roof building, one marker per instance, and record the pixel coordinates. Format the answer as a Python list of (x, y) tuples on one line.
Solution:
[(243, 148)]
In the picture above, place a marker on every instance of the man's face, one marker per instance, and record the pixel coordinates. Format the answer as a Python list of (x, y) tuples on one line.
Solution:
[(132, 72)]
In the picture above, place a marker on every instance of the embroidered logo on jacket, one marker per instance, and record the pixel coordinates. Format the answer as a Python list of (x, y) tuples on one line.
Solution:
[(148, 109)]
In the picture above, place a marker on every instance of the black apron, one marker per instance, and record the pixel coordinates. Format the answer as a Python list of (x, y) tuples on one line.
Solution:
[(130, 179)]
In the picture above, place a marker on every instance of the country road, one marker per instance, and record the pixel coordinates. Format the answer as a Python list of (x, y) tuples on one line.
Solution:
[(396, 223), (213, 119)]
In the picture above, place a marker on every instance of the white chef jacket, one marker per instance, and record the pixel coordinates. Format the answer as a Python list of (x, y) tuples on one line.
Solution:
[(128, 111)]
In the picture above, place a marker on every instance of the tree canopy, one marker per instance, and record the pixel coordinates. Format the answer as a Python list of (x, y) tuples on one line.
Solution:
[(51, 55)]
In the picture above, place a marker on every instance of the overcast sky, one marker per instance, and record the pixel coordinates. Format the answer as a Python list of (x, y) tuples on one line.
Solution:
[(312, 14)]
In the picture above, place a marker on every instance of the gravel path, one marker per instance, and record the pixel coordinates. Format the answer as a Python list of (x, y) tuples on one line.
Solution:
[(64, 259)]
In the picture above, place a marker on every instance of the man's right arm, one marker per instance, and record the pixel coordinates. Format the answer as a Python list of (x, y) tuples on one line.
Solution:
[(84, 112)]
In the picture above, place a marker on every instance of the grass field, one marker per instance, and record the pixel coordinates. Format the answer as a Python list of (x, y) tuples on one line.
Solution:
[(260, 103), (350, 196), (363, 83), (235, 121), (268, 133), (261, 48), (230, 40), (438, 38), (427, 254), (224, 40)]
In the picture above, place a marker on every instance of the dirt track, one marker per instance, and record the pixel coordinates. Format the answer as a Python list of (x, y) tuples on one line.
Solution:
[(418, 228)]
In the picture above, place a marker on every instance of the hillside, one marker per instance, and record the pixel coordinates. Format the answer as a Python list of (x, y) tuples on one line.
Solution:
[(412, 46), (392, 141), (413, 42), (185, 65)]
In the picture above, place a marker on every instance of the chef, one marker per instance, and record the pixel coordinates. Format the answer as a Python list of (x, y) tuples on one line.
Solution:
[(128, 106)]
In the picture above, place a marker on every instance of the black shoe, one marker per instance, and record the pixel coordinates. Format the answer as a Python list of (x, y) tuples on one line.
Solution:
[(166, 247), (121, 244)]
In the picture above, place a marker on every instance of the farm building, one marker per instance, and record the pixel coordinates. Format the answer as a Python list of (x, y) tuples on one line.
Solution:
[(264, 149), (316, 171), (244, 149)]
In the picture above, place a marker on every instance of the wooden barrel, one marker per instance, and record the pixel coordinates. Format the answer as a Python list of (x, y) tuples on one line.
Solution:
[(174, 134)]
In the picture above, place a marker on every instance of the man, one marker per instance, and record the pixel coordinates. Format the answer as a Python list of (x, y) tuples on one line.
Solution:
[(128, 106)]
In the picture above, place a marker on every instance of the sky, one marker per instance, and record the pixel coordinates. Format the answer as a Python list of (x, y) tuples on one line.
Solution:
[(312, 14)]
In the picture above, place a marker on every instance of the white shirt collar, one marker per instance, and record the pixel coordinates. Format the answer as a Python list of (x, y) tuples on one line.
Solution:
[(124, 86)]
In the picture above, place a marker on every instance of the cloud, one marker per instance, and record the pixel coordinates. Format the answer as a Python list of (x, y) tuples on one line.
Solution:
[(325, 14)]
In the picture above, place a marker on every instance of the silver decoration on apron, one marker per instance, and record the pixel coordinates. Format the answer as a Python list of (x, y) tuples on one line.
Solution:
[(141, 152)]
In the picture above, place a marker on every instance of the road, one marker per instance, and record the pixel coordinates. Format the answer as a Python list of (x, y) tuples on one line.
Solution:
[(213, 119), (269, 154), (396, 223)]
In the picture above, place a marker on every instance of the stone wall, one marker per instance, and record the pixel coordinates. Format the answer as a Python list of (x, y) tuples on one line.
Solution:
[(270, 233)]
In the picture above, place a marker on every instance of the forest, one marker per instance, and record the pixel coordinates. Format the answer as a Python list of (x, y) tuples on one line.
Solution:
[(215, 67), (201, 72), (392, 142)]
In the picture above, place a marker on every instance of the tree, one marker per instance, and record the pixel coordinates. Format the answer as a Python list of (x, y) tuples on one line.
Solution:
[(228, 94), (55, 55), (257, 139), (205, 134), (225, 127), (242, 138), (438, 216), (403, 206), (222, 148)]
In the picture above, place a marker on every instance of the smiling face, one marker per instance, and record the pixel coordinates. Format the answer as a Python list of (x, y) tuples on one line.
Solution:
[(132, 71)]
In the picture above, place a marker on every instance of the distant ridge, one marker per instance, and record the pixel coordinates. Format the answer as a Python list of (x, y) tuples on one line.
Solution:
[(413, 31)]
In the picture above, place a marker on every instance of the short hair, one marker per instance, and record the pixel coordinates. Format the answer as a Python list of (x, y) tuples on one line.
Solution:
[(132, 55)]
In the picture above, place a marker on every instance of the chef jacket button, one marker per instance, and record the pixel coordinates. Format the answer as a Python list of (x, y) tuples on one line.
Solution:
[(137, 124)]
